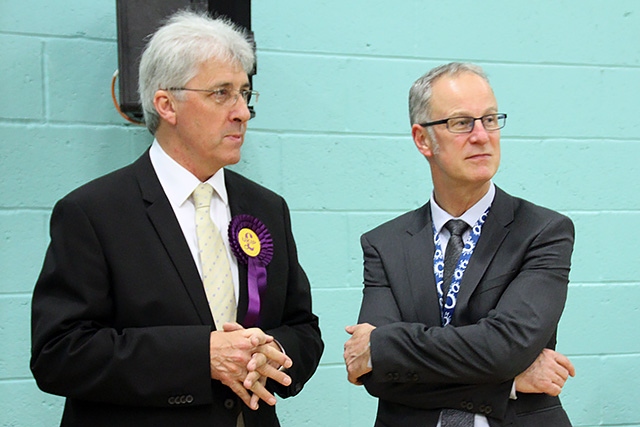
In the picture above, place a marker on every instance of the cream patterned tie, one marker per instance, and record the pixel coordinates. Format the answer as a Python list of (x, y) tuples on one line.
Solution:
[(216, 272)]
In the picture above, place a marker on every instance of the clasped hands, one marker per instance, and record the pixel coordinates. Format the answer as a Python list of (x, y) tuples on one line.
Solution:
[(243, 359), (547, 374)]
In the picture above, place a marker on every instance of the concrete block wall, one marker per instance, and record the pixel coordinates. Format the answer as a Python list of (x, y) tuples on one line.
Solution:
[(332, 136)]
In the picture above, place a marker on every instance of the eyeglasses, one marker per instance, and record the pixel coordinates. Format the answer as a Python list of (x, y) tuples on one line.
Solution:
[(490, 122), (227, 97)]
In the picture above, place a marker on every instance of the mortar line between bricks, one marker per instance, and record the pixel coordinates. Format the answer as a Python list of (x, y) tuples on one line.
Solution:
[(9, 295), (385, 57)]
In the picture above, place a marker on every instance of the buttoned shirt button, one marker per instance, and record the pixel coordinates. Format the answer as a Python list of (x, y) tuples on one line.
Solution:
[(229, 403)]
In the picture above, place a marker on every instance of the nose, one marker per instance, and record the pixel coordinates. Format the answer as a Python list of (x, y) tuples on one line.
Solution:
[(479, 134), (240, 111)]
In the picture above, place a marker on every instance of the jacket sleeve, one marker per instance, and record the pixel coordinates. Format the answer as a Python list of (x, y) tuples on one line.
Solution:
[(77, 350)]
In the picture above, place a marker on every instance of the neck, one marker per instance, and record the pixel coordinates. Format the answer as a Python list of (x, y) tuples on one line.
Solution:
[(184, 157), (457, 200)]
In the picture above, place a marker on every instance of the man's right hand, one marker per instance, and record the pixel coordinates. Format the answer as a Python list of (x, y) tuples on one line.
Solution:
[(547, 374), (230, 352)]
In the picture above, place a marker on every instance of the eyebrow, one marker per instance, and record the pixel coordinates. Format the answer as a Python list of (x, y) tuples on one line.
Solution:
[(228, 85), (490, 110)]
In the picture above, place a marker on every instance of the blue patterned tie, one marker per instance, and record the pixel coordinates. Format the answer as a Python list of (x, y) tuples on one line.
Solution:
[(457, 227)]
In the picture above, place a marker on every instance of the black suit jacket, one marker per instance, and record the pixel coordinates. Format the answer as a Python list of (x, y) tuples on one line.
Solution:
[(510, 301), (120, 320)]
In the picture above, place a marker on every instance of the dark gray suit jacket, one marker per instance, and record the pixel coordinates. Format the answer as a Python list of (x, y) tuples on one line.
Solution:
[(120, 320), (511, 298)]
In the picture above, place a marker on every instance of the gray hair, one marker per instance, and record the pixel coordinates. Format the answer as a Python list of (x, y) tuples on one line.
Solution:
[(178, 48), (421, 91)]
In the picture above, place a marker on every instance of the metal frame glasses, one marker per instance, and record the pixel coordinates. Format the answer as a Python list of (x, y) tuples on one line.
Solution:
[(227, 97), (465, 124)]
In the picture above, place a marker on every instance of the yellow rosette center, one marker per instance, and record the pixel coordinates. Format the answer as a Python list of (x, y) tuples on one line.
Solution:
[(249, 242)]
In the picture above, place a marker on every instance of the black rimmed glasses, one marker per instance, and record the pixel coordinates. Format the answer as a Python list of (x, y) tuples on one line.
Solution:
[(227, 97), (465, 124)]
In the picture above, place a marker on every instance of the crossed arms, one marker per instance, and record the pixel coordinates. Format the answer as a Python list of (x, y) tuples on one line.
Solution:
[(506, 333)]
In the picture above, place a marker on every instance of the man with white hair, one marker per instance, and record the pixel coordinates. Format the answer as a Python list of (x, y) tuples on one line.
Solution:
[(171, 293)]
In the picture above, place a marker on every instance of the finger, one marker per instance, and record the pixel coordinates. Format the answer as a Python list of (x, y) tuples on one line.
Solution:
[(350, 329), (254, 402), (553, 389), (252, 378), (258, 337), (275, 355), (564, 361), (259, 389), (268, 371), (242, 393), (257, 361), (231, 326), (564, 365)]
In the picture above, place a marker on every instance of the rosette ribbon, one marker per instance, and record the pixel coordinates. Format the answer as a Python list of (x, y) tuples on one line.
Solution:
[(252, 245)]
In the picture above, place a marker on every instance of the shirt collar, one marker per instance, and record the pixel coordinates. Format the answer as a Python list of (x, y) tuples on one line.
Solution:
[(178, 183), (471, 216)]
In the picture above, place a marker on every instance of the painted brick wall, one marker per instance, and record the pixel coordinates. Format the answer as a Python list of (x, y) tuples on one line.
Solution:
[(332, 136)]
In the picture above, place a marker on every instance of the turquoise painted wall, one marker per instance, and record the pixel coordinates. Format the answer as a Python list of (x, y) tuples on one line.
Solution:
[(332, 136)]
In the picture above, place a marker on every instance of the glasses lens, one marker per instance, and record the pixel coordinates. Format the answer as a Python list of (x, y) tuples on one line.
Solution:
[(460, 124), (251, 97), (492, 121)]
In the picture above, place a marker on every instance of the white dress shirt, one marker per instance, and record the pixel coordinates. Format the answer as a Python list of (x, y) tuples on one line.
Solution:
[(178, 184), (471, 216)]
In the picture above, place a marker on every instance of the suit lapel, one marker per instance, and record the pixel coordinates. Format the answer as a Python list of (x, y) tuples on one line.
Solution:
[(418, 256), (166, 225), (237, 206), (494, 231)]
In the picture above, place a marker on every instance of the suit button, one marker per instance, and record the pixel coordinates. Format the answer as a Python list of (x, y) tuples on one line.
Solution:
[(189, 398), (416, 377), (172, 400), (183, 399), (390, 376), (466, 405), (229, 403), (488, 410)]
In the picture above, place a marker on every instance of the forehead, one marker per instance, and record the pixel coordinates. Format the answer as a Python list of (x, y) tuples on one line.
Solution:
[(465, 93), (215, 72)]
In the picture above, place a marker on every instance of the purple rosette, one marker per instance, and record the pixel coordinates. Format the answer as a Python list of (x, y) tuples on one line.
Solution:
[(252, 245)]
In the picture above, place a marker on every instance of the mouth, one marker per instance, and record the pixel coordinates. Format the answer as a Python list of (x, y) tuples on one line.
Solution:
[(237, 137), (479, 156)]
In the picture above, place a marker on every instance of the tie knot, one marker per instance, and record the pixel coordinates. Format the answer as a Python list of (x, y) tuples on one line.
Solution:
[(202, 196), (456, 227)]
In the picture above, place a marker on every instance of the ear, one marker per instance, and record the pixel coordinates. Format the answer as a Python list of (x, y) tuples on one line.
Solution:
[(164, 102), (422, 139)]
